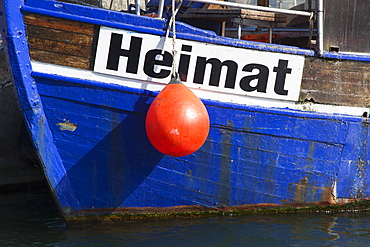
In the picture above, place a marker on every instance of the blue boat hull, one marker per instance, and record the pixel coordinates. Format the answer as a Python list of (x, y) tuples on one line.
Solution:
[(252, 155), (91, 139)]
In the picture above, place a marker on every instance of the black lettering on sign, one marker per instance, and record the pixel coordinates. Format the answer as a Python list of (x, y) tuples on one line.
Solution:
[(151, 60), (261, 77), (184, 62), (132, 54), (215, 71), (281, 71), (157, 64)]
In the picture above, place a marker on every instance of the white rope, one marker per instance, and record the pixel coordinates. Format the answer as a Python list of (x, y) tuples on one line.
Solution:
[(173, 19), (172, 24)]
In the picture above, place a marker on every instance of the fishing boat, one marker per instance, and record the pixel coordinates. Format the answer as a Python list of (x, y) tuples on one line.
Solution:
[(19, 166), (185, 108)]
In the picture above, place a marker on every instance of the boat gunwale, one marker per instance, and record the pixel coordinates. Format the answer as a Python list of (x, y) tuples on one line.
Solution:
[(77, 12), (102, 17)]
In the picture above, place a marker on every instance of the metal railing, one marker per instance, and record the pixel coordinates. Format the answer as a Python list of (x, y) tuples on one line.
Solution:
[(320, 13), (254, 7)]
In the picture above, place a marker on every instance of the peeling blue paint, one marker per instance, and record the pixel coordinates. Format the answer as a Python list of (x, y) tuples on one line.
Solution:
[(91, 138)]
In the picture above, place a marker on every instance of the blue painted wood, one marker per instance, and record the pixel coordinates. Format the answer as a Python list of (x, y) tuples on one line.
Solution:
[(252, 155), (347, 56)]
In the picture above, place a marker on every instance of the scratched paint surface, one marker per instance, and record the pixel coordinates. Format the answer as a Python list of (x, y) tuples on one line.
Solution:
[(251, 156), (102, 157)]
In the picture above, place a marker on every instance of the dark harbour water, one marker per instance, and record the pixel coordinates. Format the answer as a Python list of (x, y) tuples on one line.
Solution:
[(32, 219)]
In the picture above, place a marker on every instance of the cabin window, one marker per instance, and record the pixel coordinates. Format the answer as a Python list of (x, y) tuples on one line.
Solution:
[(346, 26)]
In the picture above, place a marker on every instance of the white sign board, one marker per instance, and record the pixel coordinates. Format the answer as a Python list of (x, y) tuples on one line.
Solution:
[(200, 65)]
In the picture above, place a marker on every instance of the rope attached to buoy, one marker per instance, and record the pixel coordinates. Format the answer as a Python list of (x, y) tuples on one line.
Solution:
[(177, 122), (172, 25)]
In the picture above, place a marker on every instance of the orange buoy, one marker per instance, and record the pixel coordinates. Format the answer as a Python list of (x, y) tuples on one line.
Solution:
[(177, 122)]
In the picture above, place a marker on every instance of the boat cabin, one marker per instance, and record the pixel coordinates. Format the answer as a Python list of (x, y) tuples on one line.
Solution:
[(323, 25)]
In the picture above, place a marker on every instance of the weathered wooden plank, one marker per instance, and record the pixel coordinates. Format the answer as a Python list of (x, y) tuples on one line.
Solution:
[(336, 82), (59, 41), (235, 13), (343, 65), (59, 47), (59, 35), (59, 24), (337, 99), (340, 72), (262, 13), (262, 18), (60, 59)]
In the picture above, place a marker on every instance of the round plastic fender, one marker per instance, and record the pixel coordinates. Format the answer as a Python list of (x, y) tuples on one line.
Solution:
[(177, 122)]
